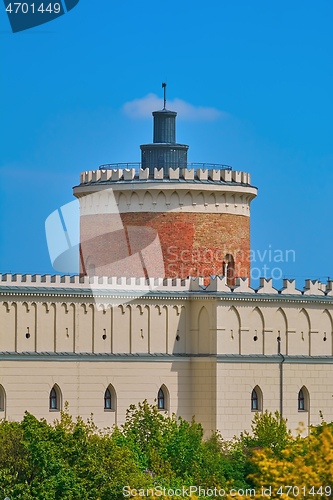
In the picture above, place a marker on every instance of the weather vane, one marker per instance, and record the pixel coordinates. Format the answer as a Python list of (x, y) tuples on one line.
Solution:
[(163, 87)]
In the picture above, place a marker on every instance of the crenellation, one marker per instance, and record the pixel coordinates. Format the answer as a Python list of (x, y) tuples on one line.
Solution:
[(312, 287), (158, 174), (289, 288), (197, 284), (88, 176), (106, 175), (84, 280), (142, 282), (215, 284), (96, 175), (215, 175), (143, 174), (237, 176), (129, 174), (188, 174), (329, 287), (242, 286), (218, 284), (245, 179), (116, 174), (173, 174), (202, 174), (93, 280), (266, 286), (226, 175)]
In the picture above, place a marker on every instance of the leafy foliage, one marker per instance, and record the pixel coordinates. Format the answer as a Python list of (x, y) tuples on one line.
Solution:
[(268, 431), (72, 460)]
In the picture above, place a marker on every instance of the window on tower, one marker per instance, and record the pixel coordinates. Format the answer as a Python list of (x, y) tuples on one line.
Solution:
[(229, 269)]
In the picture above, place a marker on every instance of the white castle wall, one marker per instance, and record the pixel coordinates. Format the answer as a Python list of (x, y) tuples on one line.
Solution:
[(198, 341), (71, 314)]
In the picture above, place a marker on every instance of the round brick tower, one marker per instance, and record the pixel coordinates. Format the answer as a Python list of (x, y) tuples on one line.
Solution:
[(165, 217)]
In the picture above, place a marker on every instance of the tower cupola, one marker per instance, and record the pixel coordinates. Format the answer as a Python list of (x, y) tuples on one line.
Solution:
[(164, 152)]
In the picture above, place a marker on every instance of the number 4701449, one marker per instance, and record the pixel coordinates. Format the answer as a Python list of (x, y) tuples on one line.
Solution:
[(25, 8), (302, 491)]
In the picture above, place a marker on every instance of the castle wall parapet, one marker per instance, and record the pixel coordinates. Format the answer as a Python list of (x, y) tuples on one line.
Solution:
[(312, 288), (200, 174)]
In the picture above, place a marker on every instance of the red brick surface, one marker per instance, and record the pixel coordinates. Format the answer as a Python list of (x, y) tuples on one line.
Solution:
[(193, 244)]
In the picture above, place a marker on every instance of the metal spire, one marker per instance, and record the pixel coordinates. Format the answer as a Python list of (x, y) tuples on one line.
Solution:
[(164, 87)]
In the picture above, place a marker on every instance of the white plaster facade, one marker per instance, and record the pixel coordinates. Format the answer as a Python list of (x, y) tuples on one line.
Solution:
[(208, 347), (202, 191)]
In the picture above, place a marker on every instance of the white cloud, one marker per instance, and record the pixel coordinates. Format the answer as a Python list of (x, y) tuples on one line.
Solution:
[(142, 108)]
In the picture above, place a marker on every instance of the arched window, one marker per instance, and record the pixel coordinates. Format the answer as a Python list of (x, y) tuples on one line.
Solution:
[(161, 400), (107, 400), (2, 398), (229, 269), (301, 402), (256, 399), (110, 399), (55, 399), (303, 399)]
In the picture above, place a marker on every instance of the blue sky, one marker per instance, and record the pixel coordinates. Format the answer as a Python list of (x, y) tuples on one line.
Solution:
[(265, 67)]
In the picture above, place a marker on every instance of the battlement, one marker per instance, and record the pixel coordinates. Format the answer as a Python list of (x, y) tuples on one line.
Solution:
[(216, 284), (184, 174)]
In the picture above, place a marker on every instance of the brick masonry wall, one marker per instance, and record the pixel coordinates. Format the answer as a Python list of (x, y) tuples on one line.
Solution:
[(193, 244)]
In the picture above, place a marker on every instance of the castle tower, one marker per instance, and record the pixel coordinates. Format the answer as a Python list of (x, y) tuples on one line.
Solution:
[(165, 217)]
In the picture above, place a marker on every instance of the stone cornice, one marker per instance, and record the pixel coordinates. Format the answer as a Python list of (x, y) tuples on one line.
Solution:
[(159, 357), (22, 292)]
